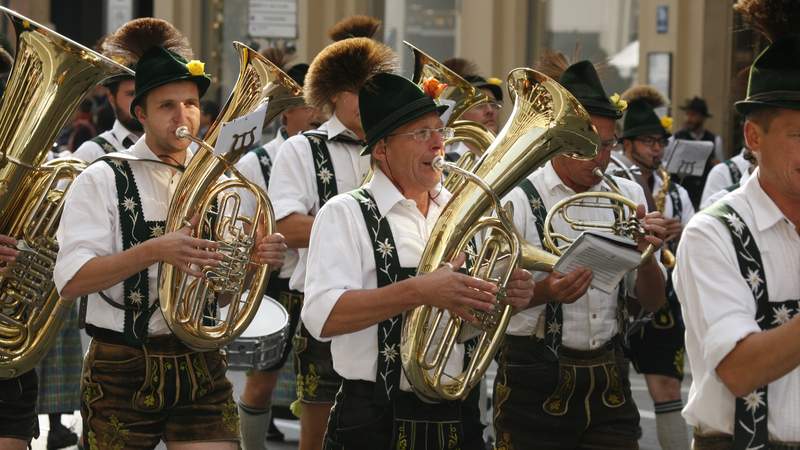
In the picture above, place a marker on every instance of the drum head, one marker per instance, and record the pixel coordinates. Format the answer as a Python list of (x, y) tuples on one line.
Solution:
[(271, 318)]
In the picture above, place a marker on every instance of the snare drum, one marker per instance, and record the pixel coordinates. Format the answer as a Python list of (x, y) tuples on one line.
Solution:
[(262, 344)]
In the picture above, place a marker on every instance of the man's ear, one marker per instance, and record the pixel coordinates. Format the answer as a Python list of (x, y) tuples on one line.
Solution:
[(752, 135), (139, 112)]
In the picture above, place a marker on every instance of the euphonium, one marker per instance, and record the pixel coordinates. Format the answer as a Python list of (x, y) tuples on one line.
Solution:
[(546, 121), (51, 74), (463, 96), (189, 305)]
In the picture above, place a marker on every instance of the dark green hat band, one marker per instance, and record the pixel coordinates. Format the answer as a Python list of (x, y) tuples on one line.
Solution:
[(400, 117), (644, 130), (600, 108)]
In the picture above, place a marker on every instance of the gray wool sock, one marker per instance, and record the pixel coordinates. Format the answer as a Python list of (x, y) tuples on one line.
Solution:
[(670, 426), (253, 426)]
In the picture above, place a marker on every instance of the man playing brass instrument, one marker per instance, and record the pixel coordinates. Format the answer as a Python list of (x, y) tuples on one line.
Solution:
[(738, 261), (562, 380), (140, 384), (656, 348), (365, 246), (19, 423)]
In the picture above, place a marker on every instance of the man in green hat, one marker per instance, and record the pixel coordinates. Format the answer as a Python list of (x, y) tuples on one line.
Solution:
[(140, 383), (657, 347), (562, 378), (737, 264), (365, 247)]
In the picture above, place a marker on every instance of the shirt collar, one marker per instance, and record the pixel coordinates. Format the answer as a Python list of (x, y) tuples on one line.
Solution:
[(387, 195), (766, 213), (141, 150), (120, 132), (335, 127)]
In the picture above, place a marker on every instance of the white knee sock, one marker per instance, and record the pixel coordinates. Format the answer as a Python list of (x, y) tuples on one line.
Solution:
[(253, 426), (670, 426)]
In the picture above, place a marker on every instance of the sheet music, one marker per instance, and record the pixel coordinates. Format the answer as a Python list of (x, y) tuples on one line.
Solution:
[(242, 132), (687, 158), (609, 261)]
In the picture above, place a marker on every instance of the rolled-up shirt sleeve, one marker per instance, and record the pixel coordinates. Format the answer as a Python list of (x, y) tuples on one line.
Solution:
[(290, 184), (87, 228), (335, 263), (718, 305)]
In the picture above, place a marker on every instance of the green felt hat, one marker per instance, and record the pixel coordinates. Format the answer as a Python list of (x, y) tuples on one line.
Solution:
[(774, 77), (387, 102), (641, 120), (582, 81), (160, 66)]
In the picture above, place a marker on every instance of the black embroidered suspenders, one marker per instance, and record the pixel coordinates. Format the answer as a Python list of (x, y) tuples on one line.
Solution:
[(323, 166), (750, 420), (265, 162), (135, 230)]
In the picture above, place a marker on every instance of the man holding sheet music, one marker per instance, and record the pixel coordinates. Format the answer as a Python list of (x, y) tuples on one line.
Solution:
[(657, 349), (562, 380)]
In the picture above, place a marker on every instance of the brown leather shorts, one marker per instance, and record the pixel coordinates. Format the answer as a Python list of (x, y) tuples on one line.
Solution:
[(133, 397)]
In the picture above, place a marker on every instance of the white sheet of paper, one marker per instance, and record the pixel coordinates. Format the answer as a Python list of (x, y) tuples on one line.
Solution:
[(242, 132), (684, 158), (609, 261)]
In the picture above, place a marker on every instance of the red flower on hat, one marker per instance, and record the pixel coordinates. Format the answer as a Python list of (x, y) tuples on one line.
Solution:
[(433, 88)]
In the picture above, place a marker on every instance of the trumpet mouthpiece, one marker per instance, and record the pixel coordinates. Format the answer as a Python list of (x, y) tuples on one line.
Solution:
[(182, 132)]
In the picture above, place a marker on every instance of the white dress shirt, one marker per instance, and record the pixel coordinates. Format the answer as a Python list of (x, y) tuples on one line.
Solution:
[(90, 227), (719, 177), (591, 321), (90, 150), (718, 195), (341, 258), (249, 166), (719, 308), (293, 183)]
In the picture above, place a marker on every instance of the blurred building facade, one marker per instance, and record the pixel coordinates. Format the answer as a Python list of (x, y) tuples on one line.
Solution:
[(684, 47)]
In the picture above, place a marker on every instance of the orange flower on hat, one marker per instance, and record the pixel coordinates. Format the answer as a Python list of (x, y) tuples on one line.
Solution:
[(196, 67), (433, 88)]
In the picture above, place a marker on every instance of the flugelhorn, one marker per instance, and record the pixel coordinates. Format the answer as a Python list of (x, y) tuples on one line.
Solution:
[(51, 75), (189, 304), (546, 121)]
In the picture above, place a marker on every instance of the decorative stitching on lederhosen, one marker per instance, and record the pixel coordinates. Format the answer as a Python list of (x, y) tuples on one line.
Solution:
[(265, 162), (736, 174), (750, 419), (558, 402), (135, 230), (389, 271)]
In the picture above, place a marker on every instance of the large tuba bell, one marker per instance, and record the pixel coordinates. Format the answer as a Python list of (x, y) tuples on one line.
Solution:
[(51, 74), (546, 121), (462, 96), (189, 304)]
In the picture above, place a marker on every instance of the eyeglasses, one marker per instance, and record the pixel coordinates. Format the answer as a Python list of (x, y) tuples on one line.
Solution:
[(610, 143), (651, 142), (494, 106), (424, 134)]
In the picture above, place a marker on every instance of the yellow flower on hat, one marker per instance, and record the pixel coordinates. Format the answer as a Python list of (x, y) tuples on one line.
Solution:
[(495, 81), (618, 102), (196, 67), (666, 122)]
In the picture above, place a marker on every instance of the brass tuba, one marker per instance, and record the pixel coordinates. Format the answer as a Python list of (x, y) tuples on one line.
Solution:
[(51, 74), (463, 96), (189, 305), (546, 121)]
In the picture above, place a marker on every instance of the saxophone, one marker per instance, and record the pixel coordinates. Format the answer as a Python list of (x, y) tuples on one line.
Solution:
[(660, 200), (51, 74)]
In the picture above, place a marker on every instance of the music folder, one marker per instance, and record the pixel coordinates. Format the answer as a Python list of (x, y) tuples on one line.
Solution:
[(687, 158), (609, 257)]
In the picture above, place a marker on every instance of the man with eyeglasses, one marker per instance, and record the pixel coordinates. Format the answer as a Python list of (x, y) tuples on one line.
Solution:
[(364, 250), (562, 381), (657, 348)]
